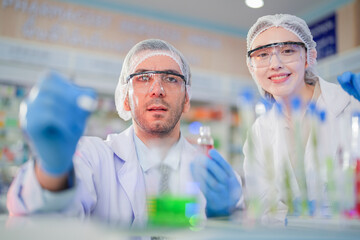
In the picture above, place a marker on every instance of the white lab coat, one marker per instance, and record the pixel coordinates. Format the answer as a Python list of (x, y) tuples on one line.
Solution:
[(270, 151), (109, 183)]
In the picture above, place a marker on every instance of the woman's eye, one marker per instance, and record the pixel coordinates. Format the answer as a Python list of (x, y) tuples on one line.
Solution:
[(288, 51), (262, 55)]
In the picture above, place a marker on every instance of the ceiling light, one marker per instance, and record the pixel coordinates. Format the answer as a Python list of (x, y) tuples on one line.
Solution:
[(254, 3)]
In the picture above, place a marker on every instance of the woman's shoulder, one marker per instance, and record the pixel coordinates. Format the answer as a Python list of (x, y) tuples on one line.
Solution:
[(334, 98)]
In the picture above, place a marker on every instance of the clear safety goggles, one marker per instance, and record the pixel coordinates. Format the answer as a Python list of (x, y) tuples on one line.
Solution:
[(286, 52), (169, 81)]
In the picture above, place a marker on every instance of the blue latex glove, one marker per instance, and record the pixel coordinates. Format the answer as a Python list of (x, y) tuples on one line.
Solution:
[(53, 118), (218, 182), (350, 82)]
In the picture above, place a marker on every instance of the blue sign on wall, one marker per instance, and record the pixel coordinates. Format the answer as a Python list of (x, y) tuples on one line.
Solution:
[(324, 34)]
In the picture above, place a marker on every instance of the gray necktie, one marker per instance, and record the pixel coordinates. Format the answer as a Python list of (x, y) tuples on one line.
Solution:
[(164, 178)]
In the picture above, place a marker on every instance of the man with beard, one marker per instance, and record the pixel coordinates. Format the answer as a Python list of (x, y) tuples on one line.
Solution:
[(112, 179)]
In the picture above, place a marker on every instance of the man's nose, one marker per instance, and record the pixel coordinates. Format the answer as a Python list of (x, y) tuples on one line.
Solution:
[(156, 88)]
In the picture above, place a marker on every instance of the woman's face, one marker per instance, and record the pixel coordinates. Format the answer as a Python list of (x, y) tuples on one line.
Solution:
[(282, 80)]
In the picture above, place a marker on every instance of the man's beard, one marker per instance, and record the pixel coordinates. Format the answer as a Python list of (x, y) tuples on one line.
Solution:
[(160, 128)]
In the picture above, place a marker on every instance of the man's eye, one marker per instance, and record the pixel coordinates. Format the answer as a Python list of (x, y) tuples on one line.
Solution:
[(143, 77), (171, 79)]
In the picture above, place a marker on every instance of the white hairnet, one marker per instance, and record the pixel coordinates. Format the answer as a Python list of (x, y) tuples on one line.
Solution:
[(140, 52), (295, 25)]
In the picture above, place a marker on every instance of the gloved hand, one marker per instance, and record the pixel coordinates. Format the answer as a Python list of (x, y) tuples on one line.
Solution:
[(53, 117), (218, 183), (350, 82)]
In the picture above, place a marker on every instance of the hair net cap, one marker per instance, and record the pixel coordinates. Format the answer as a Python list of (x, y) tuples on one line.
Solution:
[(293, 24), (139, 53)]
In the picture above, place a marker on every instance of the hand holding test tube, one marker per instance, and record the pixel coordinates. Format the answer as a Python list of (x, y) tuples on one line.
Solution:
[(218, 182)]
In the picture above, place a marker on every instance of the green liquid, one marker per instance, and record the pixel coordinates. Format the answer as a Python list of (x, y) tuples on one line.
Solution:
[(173, 211)]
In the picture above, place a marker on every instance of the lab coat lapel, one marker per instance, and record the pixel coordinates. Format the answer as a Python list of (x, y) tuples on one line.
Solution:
[(130, 175)]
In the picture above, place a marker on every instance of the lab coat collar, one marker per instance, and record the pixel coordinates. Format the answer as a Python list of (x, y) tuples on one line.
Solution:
[(331, 95), (122, 144)]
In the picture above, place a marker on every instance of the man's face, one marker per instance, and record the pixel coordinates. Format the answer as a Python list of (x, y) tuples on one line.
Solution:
[(157, 108)]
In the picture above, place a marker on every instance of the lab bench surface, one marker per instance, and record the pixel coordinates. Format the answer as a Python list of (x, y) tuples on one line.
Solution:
[(67, 228)]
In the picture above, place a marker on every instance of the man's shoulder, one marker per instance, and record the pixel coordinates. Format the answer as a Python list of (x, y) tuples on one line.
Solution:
[(96, 145), (90, 140), (92, 144), (125, 133)]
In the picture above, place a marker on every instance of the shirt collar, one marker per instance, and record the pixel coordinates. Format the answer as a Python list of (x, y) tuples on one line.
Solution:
[(147, 157)]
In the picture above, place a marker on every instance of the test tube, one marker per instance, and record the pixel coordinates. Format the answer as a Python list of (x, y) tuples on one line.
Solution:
[(345, 178), (247, 117), (330, 208), (205, 141), (355, 150), (299, 154)]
